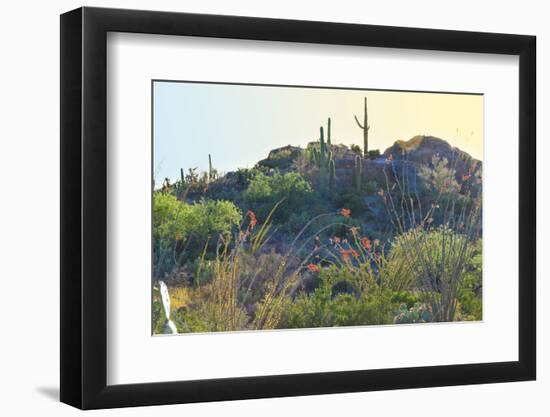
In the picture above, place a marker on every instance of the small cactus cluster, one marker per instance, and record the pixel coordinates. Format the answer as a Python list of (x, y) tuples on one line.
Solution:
[(323, 157), (357, 173), (418, 313)]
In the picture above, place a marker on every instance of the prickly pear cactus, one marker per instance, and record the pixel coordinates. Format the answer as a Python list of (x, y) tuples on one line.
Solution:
[(418, 313)]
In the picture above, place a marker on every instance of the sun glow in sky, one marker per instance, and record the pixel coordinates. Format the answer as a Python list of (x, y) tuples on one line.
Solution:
[(239, 124)]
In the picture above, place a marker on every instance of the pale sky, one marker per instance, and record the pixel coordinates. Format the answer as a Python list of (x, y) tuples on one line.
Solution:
[(239, 124)]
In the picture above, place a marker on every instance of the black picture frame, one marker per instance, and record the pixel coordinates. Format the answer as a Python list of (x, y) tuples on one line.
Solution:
[(84, 207)]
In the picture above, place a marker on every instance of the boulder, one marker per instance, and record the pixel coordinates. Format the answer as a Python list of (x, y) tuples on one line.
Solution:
[(421, 149), (281, 158)]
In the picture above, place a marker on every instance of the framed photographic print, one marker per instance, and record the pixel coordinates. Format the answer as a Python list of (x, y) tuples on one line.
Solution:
[(257, 207)]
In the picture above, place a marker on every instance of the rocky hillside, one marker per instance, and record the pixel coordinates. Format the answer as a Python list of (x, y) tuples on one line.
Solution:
[(407, 156), (415, 152)]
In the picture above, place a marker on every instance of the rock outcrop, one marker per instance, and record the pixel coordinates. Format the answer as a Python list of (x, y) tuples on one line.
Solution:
[(421, 149)]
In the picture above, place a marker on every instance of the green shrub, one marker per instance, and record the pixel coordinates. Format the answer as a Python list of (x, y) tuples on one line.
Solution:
[(407, 298), (177, 220), (291, 188), (372, 187), (356, 149), (436, 261), (440, 177), (350, 199), (373, 154), (174, 222), (203, 318), (158, 317), (326, 307), (470, 292)]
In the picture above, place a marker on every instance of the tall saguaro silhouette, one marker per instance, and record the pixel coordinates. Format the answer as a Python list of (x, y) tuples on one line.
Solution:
[(365, 127)]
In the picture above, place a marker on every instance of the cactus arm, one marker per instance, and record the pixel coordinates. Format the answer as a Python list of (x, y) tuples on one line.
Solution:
[(358, 123), (323, 158), (329, 141)]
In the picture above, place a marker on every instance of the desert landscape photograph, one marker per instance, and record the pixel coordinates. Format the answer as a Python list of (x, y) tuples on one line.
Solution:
[(278, 207)]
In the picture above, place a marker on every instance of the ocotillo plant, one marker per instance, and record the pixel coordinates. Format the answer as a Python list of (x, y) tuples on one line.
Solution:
[(357, 173), (365, 127)]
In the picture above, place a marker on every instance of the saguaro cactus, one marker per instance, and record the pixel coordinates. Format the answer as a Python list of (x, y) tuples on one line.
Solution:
[(331, 173), (357, 173), (323, 145), (365, 127), (322, 157), (211, 171)]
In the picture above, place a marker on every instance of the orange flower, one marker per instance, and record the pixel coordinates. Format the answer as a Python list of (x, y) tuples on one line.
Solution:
[(313, 268), (366, 243), (253, 219), (336, 240), (345, 212), (465, 177), (354, 253), (345, 254)]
